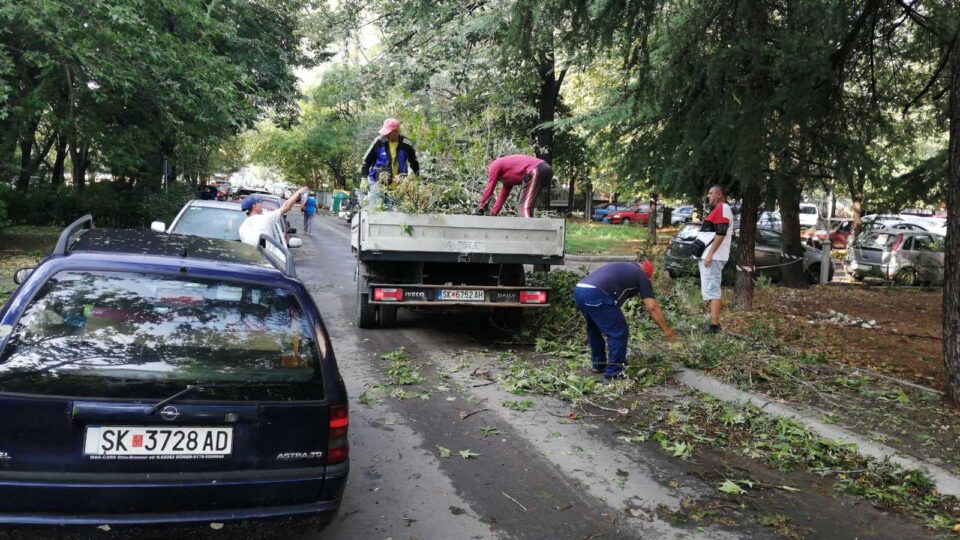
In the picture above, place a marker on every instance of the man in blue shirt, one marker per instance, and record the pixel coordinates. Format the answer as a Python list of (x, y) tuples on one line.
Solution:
[(309, 209), (599, 296)]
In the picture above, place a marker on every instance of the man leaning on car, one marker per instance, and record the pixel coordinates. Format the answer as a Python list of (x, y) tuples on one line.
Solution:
[(259, 222)]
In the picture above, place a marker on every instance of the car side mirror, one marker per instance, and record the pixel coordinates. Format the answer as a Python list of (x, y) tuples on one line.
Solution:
[(21, 275), (294, 242), (291, 230), (158, 226)]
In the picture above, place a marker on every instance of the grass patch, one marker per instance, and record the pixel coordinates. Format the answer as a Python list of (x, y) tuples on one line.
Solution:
[(585, 238), (10, 262)]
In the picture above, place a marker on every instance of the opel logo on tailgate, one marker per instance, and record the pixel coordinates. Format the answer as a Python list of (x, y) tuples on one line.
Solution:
[(170, 413)]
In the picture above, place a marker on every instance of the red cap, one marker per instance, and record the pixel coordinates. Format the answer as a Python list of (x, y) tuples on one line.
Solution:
[(389, 125), (647, 268)]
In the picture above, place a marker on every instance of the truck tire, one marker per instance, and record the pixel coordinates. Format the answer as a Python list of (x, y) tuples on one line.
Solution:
[(388, 316), (366, 312)]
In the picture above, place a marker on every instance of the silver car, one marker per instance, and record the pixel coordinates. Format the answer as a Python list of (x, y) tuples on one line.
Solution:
[(222, 219), (903, 256)]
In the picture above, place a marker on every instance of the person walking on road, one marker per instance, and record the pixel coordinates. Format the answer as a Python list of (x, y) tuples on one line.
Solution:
[(599, 296), (259, 222), (516, 170), (716, 234), (309, 208), (390, 154)]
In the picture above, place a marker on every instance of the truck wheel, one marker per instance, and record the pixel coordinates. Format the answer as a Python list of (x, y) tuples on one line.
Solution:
[(388, 316), (366, 312)]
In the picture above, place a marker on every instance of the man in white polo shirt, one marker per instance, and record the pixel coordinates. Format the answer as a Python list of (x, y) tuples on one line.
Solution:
[(717, 234), (259, 222)]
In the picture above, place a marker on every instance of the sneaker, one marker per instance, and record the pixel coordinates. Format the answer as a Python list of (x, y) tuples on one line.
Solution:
[(597, 370), (618, 377), (713, 329)]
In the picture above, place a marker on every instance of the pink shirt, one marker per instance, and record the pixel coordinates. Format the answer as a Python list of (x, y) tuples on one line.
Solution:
[(510, 170)]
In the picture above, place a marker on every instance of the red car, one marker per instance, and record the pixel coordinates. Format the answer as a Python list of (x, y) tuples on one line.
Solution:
[(638, 214)]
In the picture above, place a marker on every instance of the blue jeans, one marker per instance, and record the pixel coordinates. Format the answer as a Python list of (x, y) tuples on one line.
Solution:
[(307, 219), (604, 319)]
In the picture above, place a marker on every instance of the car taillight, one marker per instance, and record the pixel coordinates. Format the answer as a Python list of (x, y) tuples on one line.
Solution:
[(533, 297), (338, 448), (387, 295), (897, 243)]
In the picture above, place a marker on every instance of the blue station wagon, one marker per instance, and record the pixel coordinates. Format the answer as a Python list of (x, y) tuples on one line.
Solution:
[(154, 378)]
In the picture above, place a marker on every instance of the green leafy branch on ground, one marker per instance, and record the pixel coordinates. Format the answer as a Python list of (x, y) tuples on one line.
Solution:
[(401, 369), (785, 445)]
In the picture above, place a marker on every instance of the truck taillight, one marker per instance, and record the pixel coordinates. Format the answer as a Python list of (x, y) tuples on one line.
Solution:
[(387, 295), (533, 297), (338, 449)]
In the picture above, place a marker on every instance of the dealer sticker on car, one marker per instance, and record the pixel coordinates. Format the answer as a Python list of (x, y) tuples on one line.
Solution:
[(153, 442)]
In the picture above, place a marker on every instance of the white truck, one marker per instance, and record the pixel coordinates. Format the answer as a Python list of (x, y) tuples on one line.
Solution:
[(440, 261)]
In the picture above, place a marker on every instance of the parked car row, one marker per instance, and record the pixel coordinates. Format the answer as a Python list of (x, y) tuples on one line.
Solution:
[(151, 377), (768, 254), (839, 235)]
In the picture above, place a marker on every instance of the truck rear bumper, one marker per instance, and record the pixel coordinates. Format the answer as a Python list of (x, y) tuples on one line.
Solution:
[(480, 296)]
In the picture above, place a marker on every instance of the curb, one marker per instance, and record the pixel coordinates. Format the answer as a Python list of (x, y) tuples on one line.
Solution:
[(947, 483), (600, 258)]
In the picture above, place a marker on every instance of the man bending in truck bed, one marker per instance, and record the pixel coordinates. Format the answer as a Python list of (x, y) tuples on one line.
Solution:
[(516, 170)]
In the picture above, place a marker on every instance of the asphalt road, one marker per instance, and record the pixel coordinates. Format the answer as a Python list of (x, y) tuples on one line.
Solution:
[(539, 477)]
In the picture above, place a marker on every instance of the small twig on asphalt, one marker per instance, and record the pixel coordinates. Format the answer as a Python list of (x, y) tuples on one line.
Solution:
[(564, 507), (414, 420), (514, 500), (483, 384), (465, 415), (622, 412)]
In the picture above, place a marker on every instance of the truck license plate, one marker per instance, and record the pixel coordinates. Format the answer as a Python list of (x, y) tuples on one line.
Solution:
[(463, 295), (153, 442)]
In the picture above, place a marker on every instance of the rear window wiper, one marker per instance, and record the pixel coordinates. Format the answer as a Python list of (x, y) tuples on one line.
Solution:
[(151, 409), (191, 388)]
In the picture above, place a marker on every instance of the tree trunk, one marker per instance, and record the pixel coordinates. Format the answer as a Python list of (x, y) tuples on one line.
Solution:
[(755, 157), (547, 100), (26, 152), (588, 201), (79, 160), (652, 222), (951, 289), (56, 178), (32, 155), (790, 195), (856, 195), (746, 259)]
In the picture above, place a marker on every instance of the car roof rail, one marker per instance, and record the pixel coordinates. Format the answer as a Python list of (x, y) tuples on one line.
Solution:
[(82, 224), (284, 266)]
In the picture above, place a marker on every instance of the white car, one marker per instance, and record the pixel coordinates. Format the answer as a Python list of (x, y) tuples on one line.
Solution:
[(809, 215), (218, 219)]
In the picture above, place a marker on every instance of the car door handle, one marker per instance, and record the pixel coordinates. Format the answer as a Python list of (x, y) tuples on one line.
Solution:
[(94, 411)]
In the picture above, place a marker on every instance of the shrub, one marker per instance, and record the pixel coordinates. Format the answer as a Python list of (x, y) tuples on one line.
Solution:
[(112, 204)]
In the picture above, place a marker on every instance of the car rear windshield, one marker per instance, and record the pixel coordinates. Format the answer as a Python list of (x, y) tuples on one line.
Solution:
[(222, 223), (808, 209), (878, 240), (122, 334)]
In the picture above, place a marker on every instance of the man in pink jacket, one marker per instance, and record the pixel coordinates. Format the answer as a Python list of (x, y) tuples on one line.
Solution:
[(529, 172)]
